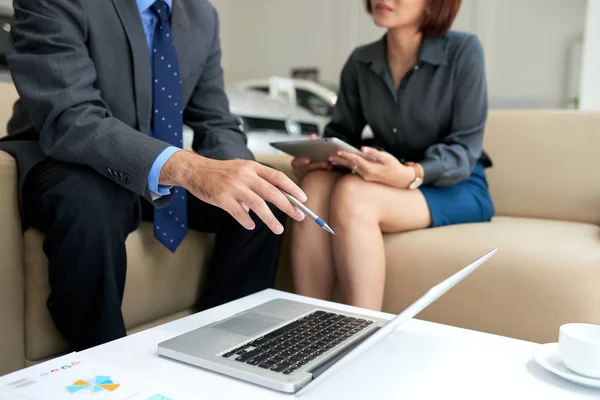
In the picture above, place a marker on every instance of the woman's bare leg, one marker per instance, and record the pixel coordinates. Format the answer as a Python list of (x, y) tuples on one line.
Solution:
[(360, 212), (312, 260)]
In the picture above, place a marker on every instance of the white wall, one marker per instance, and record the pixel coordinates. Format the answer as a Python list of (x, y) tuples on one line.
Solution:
[(6, 7), (226, 16), (528, 51), (271, 36), (526, 42), (590, 73)]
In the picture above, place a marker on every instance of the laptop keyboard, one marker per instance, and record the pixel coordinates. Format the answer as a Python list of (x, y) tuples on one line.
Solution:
[(296, 344)]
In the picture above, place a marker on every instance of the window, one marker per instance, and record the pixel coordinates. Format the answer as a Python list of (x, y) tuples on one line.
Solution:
[(313, 103), (264, 89)]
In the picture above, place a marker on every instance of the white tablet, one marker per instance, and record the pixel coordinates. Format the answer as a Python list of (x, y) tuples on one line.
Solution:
[(316, 150)]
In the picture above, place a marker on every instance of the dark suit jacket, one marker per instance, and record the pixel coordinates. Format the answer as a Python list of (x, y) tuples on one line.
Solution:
[(83, 73)]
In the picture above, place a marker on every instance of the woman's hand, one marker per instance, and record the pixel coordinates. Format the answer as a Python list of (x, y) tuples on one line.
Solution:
[(302, 166), (381, 167)]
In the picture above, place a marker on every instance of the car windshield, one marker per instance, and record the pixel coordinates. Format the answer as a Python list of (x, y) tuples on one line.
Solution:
[(331, 86)]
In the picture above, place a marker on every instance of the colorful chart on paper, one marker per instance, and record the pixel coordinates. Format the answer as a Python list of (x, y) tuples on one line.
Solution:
[(72, 377), (96, 384)]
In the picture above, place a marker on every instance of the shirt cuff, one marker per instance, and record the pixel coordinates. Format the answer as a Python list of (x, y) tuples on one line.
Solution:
[(156, 189), (432, 170)]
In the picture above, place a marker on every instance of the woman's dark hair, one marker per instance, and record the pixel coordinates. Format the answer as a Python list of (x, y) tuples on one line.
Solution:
[(438, 19)]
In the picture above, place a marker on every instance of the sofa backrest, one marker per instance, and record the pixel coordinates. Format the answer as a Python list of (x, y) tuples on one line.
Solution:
[(8, 96), (545, 163)]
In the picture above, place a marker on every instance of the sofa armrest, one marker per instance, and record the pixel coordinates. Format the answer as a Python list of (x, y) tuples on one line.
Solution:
[(281, 162), (12, 294)]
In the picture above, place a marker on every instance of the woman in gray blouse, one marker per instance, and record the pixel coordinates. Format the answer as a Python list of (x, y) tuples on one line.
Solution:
[(422, 90)]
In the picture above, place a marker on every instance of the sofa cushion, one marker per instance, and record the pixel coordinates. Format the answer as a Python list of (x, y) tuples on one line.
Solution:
[(12, 299), (158, 284), (544, 164), (137, 329), (515, 293), (8, 96)]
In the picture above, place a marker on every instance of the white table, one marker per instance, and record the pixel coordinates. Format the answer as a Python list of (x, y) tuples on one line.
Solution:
[(421, 360)]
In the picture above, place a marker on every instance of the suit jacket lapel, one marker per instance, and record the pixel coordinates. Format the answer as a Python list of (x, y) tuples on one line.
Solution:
[(180, 26), (142, 72)]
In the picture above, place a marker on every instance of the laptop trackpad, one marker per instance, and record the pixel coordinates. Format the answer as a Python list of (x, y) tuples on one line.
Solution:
[(248, 324)]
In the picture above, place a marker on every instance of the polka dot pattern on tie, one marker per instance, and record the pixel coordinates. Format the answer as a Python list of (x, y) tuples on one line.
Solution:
[(170, 222)]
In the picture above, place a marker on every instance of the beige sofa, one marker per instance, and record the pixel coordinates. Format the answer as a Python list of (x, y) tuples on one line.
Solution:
[(546, 189)]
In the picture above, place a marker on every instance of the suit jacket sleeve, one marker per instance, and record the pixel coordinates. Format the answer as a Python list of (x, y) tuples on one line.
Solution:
[(55, 78), (216, 133)]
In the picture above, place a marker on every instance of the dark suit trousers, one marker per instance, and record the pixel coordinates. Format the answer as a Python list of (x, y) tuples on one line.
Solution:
[(86, 219)]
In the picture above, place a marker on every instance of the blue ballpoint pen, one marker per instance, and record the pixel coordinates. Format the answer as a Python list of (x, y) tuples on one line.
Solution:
[(308, 212)]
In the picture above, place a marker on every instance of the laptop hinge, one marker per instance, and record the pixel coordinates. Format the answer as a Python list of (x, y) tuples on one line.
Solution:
[(337, 356)]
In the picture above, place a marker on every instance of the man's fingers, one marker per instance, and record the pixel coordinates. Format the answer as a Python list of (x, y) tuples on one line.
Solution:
[(274, 196), (238, 211), (245, 207), (259, 206), (314, 136), (280, 180)]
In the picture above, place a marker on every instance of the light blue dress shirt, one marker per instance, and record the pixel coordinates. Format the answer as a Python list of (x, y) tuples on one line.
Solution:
[(149, 20)]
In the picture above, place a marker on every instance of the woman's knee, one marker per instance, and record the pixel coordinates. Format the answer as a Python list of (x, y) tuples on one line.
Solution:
[(349, 200), (315, 181), (318, 186)]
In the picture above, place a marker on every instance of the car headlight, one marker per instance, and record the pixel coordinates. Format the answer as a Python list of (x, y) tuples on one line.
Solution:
[(293, 127), (240, 122)]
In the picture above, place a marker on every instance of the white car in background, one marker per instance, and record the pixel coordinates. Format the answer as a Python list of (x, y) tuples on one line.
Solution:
[(265, 120), (319, 98)]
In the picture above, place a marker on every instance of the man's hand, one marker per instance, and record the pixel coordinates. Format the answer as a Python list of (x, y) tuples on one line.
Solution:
[(236, 186), (384, 167)]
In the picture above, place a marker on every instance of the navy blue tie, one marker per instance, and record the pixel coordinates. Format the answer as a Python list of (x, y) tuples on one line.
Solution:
[(170, 222)]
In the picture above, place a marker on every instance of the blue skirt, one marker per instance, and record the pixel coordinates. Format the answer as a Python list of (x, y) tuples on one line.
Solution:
[(465, 202)]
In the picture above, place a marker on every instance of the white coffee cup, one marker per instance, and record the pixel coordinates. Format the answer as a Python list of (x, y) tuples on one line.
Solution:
[(579, 346)]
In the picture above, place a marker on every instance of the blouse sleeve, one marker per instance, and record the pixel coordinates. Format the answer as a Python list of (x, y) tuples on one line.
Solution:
[(454, 159)]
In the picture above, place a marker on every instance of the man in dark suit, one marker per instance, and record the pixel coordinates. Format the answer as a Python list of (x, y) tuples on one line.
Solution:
[(105, 88)]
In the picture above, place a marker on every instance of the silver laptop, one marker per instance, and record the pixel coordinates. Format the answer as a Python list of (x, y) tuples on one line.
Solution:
[(285, 345)]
